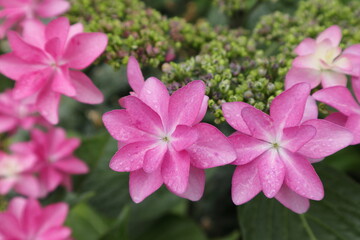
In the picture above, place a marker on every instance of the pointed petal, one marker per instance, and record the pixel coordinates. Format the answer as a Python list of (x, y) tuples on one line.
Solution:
[(34, 32), (301, 176), (175, 171), (212, 148), (53, 215), (59, 29), (86, 91), (17, 207), (72, 165), (330, 79), (329, 139), (7, 123), (51, 178), (332, 33), (56, 233), (232, 114), (293, 201), (143, 184), (6, 184), (295, 137), (203, 110), (353, 124), (287, 109), (61, 82), (10, 227), (245, 183), (260, 125), (134, 75), (25, 51), (84, 48), (311, 110), (130, 157), (183, 137), (185, 104), (120, 126), (73, 30), (30, 84), (155, 95), (355, 83), (307, 46), (298, 75), (53, 47), (14, 67), (48, 104), (310, 61), (337, 118), (339, 98), (195, 188), (142, 116), (28, 185), (271, 172), (154, 158), (247, 148), (50, 9)]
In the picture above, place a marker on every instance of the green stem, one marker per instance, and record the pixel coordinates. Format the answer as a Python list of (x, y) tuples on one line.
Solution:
[(307, 227)]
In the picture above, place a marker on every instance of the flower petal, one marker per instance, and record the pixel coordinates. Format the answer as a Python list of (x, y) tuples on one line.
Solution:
[(287, 109), (245, 183), (355, 83), (86, 91), (30, 84), (353, 124), (61, 82), (330, 79), (293, 201), (142, 116), (329, 139), (203, 110), (52, 216), (134, 75), (120, 126), (301, 176), (48, 104), (298, 75), (271, 172), (183, 137), (310, 61), (155, 95), (28, 185), (6, 184), (337, 118), (59, 29), (339, 98), (212, 148), (175, 171), (84, 48), (143, 184), (260, 125), (72, 165), (311, 109), (307, 46), (247, 148), (154, 157), (185, 104), (34, 32), (332, 33), (232, 114), (196, 185), (48, 9), (51, 178), (295, 137), (130, 157)]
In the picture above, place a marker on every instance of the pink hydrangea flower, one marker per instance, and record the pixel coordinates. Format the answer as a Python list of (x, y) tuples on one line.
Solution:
[(16, 173), (161, 140), (320, 61), (341, 99), (274, 153), (16, 113), (26, 219), (55, 158), (45, 63), (15, 12)]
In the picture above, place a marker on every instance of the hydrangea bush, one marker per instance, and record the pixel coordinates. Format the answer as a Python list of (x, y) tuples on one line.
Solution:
[(244, 114)]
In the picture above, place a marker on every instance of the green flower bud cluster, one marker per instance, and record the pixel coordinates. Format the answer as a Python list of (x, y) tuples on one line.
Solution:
[(229, 7), (134, 30)]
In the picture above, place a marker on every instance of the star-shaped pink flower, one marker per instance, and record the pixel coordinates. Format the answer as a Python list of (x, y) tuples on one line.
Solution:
[(26, 219), (320, 61), (16, 173), (45, 63), (55, 158), (15, 12), (161, 139), (274, 153)]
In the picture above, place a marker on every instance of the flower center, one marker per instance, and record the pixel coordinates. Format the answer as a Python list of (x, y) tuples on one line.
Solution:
[(166, 139), (275, 145), (9, 168)]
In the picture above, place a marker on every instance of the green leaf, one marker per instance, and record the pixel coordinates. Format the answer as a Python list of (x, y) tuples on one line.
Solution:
[(174, 228), (85, 223), (337, 216)]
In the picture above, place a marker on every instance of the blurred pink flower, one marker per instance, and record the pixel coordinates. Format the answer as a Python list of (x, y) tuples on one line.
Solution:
[(162, 141), (320, 61), (42, 60), (274, 153), (341, 99), (16, 173), (16, 113), (55, 160), (14, 12), (26, 219)]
